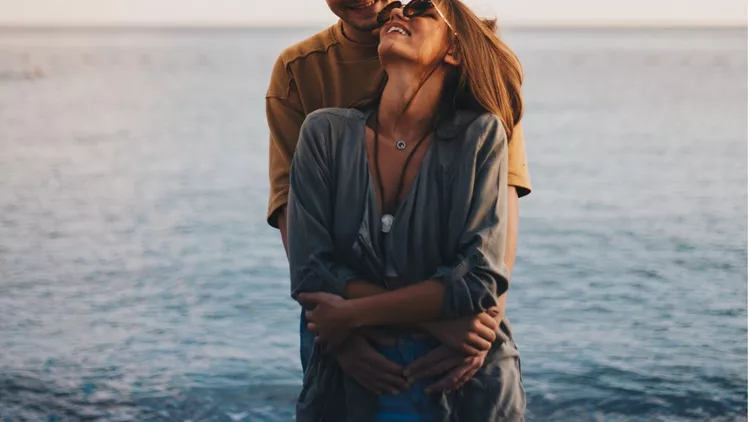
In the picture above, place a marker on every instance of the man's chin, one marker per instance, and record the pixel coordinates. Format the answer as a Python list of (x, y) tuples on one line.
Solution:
[(365, 26)]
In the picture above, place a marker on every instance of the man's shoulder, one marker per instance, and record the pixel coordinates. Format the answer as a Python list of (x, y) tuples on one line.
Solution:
[(288, 62), (319, 43)]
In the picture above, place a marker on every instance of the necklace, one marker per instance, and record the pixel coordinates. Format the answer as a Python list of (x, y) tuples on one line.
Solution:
[(386, 220)]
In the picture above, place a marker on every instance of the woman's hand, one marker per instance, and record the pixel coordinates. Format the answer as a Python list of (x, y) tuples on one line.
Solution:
[(329, 318)]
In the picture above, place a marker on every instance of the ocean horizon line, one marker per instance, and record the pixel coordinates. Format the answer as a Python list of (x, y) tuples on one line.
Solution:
[(320, 25)]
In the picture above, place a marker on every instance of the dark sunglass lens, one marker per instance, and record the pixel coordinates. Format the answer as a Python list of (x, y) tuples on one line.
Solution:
[(385, 14), (417, 8)]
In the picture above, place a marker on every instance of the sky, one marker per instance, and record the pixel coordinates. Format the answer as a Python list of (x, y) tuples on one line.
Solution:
[(315, 12)]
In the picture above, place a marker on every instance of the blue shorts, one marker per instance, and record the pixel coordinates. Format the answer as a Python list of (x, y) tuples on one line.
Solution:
[(412, 404), (495, 393), (306, 342)]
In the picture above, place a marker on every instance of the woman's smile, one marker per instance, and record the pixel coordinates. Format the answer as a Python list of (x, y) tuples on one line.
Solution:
[(396, 28)]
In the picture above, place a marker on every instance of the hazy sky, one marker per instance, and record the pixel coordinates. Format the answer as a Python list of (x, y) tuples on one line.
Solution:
[(296, 12)]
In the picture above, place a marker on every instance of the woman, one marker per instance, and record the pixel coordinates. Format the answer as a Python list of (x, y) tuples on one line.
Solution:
[(396, 217)]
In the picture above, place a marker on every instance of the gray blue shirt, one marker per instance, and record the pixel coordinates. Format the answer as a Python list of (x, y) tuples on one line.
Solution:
[(451, 227)]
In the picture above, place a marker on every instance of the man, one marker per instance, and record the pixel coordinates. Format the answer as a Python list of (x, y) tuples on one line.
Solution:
[(336, 68)]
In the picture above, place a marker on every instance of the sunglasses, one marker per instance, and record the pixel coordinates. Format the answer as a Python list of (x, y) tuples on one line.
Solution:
[(413, 9)]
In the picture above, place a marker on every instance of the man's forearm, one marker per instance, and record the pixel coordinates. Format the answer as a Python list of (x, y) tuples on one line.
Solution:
[(511, 244), (511, 236), (357, 289), (282, 228), (398, 307)]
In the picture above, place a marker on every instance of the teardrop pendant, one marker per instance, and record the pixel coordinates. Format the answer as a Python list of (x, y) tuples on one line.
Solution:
[(386, 221)]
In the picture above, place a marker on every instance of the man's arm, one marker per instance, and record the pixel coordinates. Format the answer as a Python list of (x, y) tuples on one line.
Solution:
[(281, 219), (511, 237), (285, 114), (511, 244)]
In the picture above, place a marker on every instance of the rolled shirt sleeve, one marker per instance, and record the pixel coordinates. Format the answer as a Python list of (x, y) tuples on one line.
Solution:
[(479, 275), (312, 262)]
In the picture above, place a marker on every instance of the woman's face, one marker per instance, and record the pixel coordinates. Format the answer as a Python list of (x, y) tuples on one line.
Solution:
[(422, 40)]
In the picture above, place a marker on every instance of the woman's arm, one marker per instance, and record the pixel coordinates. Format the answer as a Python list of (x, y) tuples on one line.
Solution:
[(472, 284), (309, 215)]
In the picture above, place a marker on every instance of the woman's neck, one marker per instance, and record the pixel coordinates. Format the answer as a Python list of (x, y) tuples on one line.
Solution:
[(404, 83)]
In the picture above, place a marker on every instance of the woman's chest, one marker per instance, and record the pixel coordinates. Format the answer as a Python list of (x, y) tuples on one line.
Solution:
[(394, 165), (419, 230)]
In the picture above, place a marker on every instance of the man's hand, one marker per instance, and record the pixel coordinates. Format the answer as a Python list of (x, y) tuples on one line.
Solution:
[(470, 335), (456, 367), (327, 319), (359, 360)]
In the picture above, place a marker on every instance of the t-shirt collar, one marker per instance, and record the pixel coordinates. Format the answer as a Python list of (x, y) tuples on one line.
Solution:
[(351, 48)]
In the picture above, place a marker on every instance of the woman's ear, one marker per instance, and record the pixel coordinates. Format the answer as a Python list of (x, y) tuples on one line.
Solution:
[(451, 57)]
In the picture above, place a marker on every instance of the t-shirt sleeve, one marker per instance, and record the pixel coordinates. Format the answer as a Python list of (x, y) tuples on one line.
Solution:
[(285, 116), (518, 169)]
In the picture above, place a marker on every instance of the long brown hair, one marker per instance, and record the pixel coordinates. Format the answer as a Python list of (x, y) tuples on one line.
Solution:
[(489, 76)]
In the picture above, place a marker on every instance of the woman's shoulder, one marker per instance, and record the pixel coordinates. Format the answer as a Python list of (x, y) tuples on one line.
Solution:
[(485, 123), (323, 130), (331, 116), (489, 121), (474, 130)]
